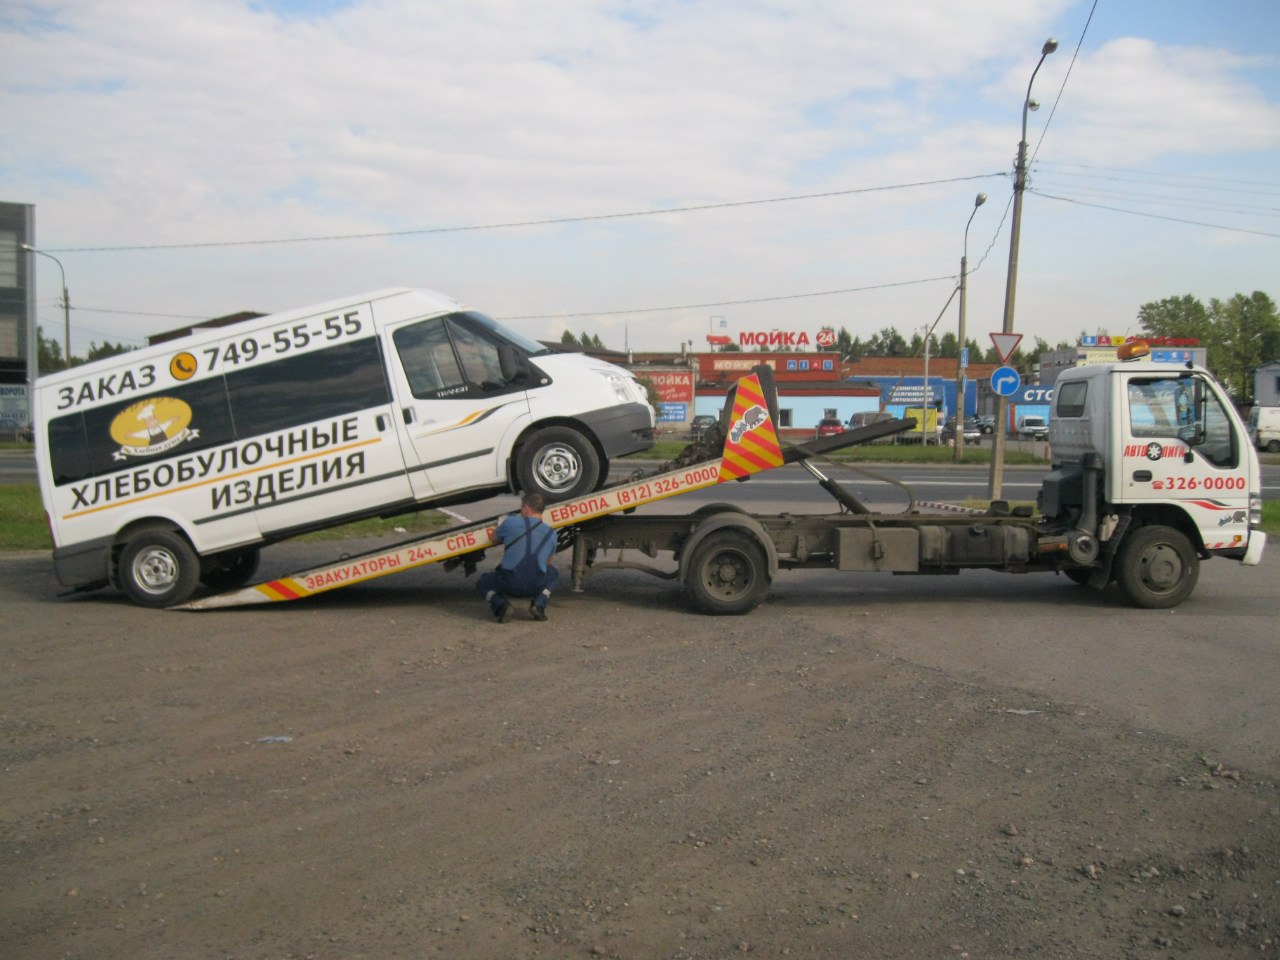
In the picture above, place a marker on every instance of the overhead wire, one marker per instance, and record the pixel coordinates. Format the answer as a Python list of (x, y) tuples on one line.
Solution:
[(551, 221)]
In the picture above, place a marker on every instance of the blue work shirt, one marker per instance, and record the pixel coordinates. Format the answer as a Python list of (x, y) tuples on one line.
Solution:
[(522, 537)]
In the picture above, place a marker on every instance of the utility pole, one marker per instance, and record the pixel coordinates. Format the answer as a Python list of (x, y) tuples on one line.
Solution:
[(66, 299), (1011, 279), (961, 376)]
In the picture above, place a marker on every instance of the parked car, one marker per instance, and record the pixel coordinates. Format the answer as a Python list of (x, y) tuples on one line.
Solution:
[(1035, 428), (971, 432), (828, 426), (867, 417), (987, 424), (700, 425)]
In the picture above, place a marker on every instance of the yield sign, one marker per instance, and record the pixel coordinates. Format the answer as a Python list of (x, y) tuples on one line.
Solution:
[(1006, 343)]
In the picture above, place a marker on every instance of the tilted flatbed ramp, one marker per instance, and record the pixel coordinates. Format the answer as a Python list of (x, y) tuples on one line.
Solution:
[(751, 445)]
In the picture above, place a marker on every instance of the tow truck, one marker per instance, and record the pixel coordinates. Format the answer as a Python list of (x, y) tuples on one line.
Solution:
[(1152, 473)]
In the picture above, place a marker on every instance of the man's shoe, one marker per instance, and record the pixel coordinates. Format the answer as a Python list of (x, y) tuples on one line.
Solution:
[(537, 612), (502, 611)]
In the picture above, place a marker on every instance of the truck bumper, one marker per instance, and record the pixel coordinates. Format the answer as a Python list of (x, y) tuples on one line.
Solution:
[(1253, 553)]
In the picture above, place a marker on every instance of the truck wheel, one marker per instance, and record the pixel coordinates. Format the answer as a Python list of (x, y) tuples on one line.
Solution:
[(229, 571), (1156, 567), (1273, 446), (158, 568), (559, 463), (727, 573)]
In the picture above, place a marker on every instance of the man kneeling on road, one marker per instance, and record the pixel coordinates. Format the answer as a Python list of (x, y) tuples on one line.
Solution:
[(525, 569)]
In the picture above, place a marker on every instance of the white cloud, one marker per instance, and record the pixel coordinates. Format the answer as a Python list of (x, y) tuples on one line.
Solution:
[(194, 120)]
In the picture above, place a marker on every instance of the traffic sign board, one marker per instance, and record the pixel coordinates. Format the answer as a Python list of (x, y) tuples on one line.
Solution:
[(1005, 344), (1005, 381)]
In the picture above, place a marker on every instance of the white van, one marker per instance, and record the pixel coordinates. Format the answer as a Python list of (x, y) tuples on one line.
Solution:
[(174, 464), (1264, 428)]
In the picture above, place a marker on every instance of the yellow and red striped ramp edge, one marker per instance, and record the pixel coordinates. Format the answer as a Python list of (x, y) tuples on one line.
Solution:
[(752, 446)]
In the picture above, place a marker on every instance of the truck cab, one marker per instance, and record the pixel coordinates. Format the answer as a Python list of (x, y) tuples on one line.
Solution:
[(1152, 471)]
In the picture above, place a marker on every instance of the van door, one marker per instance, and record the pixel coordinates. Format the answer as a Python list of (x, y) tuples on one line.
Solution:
[(458, 415), (329, 415)]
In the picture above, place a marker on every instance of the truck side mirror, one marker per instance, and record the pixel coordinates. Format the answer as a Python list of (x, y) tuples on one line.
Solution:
[(1193, 433)]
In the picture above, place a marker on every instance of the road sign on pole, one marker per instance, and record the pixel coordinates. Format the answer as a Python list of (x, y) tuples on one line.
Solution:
[(1005, 381), (1005, 344)]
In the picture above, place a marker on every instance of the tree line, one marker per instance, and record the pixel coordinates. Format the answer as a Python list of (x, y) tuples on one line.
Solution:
[(1239, 334)]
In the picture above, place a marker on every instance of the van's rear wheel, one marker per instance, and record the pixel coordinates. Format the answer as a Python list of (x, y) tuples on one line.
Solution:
[(1157, 567), (157, 568), (559, 463)]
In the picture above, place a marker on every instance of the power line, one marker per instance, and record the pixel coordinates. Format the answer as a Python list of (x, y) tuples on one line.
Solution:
[(1156, 216), (1156, 173), (141, 313), (728, 303), (1132, 196), (693, 208)]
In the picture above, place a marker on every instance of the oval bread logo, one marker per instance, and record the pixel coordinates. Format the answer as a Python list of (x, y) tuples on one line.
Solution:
[(151, 426), (182, 366)]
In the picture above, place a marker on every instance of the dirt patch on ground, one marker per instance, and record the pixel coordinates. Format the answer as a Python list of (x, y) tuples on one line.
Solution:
[(382, 772)]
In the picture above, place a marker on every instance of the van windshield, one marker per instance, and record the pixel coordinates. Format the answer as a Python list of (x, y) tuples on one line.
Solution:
[(528, 345)]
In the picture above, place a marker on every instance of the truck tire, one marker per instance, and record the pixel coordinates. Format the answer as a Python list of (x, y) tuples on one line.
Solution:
[(559, 463), (727, 573), (229, 571), (1273, 446), (1157, 567), (157, 568)]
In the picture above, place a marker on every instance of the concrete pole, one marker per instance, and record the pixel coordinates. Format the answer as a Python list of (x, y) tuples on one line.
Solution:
[(1011, 279)]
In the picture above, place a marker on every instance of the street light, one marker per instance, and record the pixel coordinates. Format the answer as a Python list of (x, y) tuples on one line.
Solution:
[(1011, 279), (66, 302), (958, 433)]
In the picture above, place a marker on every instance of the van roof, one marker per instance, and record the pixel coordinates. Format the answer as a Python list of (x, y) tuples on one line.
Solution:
[(431, 302)]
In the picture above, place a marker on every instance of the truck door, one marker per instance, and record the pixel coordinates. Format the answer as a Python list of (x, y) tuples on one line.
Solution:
[(1182, 445), (458, 416)]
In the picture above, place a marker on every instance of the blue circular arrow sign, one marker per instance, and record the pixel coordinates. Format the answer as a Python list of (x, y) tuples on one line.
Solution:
[(1005, 381)]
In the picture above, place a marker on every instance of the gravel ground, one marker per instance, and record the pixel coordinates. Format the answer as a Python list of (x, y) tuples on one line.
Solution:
[(383, 772)]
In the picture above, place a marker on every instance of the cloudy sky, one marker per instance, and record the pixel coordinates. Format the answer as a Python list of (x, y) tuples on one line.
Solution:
[(641, 169)]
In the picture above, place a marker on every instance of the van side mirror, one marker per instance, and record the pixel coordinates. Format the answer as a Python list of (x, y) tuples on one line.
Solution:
[(511, 363)]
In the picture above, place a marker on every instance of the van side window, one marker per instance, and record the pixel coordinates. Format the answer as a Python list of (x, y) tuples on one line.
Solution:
[(449, 356), (427, 358), (479, 356), (122, 436), (308, 388)]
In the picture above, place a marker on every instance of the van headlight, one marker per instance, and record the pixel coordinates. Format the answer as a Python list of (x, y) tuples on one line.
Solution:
[(619, 383)]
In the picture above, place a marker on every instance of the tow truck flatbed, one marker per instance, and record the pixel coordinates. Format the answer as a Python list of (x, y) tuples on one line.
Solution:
[(750, 445)]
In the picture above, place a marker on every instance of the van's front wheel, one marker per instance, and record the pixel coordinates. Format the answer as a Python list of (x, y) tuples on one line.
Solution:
[(559, 463), (158, 568)]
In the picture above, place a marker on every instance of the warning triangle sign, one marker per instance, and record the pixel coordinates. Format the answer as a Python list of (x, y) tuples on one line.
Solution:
[(1006, 343)]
